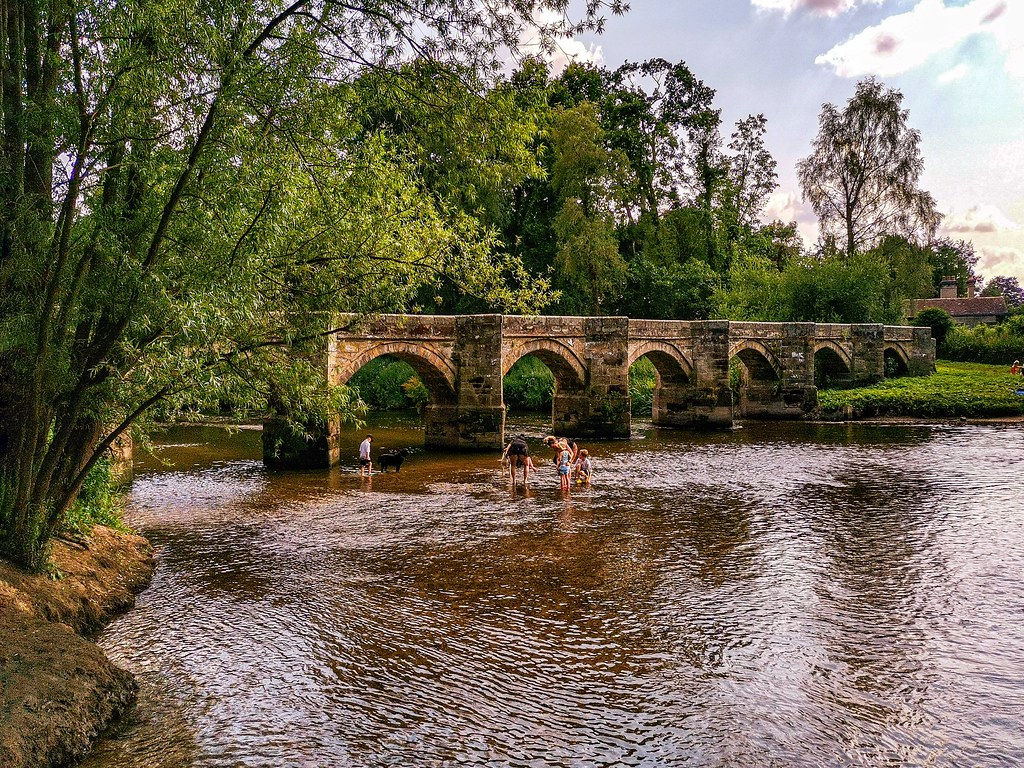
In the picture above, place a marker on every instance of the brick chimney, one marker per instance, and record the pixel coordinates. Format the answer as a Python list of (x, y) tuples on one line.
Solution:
[(948, 288), (972, 286)]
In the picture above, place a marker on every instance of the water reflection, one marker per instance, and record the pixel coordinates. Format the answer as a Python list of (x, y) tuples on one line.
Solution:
[(791, 595)]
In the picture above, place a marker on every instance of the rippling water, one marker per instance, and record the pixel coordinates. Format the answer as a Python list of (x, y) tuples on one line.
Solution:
[(780, 595)]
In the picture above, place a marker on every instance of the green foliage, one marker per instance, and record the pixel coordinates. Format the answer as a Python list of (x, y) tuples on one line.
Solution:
[(98, 503), (939, 320), (999, 345), (189, 192), (386, 384), (952, 258), (416, 393), (660, 291), (752, 173), (588, 267), (643, 378), (834, 289), (529, 385), (910, 273), (955, 389), (753, 291)]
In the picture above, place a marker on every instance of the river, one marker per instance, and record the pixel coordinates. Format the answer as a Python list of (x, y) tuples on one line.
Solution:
[(777, 595)]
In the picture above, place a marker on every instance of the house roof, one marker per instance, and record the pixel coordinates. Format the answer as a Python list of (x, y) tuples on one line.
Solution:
[(979, 306)]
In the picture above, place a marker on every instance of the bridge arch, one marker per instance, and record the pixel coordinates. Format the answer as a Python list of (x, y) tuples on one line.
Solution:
[(669, 361), (896, 359), (760, 362), (436, 371), (568, 369), (833, 365)]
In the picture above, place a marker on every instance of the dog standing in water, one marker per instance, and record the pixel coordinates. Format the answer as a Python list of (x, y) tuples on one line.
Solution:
[(393, 459)]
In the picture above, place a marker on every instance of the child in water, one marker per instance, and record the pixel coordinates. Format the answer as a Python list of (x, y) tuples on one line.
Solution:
[(583, 468), (564, 462)]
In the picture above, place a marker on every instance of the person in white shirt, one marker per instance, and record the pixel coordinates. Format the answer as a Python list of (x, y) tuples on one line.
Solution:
[(365, 463)]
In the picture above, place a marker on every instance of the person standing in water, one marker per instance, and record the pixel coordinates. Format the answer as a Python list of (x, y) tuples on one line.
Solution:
[(365, 462), (518, 454), (564, 462)]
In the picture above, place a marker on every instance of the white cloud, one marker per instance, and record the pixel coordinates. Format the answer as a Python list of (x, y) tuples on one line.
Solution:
[(566, 50), (959, 72), (820, 7), (979, 219), (907, 40), (569, 51), (787, 206), (1001, 261)]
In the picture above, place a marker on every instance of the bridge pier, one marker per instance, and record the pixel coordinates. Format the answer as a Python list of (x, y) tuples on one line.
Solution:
[(476, 419), (602, 407), (868, 343), (705, 401), (779, 384)]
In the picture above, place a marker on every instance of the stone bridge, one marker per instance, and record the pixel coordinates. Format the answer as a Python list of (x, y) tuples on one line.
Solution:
[(778, 366)]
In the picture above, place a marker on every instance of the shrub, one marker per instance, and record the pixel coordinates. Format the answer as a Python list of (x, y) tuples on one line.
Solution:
[(529, 385), (1000, 345), (642, 379), (98, 503), (382, 384), (939, 320)]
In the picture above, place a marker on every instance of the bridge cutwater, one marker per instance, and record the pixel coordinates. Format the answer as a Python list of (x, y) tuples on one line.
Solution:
[(462, 359)]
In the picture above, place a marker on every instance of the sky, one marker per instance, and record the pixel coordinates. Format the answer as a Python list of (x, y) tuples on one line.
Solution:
[(958, 63)]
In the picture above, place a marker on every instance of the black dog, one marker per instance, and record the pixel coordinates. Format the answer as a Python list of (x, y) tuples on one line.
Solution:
[(393, 459)]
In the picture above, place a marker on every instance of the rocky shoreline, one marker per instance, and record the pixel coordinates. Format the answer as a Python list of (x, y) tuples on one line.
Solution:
[(58, 691)]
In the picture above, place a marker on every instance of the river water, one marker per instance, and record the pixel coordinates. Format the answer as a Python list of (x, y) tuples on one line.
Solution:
[(777, 595)]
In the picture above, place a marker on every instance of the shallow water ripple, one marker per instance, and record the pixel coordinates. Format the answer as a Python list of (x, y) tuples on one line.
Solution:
[(781, 595)]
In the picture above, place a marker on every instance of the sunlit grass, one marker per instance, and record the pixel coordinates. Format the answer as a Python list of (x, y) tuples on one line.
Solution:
[(955, 389)]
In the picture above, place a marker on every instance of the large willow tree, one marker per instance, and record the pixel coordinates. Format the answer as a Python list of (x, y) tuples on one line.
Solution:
[(184, 191)]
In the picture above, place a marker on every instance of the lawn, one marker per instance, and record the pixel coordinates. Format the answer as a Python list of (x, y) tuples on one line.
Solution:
[(955, 389)]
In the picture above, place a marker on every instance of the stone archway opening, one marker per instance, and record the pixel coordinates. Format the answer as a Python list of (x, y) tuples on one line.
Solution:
[(569, 401), (755, 382), (395, 376), (831, 371), (529, 386), (895, 362), (388, 383), (658, 387)]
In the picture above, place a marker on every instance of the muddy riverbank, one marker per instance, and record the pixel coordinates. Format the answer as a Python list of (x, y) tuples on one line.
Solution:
[(58, 691)]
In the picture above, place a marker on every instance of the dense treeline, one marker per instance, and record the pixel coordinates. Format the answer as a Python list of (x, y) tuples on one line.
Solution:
[(617, 190), (188, 192)]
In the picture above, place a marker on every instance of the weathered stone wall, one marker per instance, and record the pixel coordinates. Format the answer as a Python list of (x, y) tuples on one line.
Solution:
[(917, 345), (477, 417), (692, 360), (589, 358)]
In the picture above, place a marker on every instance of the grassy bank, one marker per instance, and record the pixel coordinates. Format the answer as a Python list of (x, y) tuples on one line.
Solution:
[(972, 390)]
